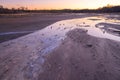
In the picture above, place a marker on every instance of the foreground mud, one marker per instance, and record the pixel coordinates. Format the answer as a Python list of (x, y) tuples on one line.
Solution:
[(77, 49), (82, 57)]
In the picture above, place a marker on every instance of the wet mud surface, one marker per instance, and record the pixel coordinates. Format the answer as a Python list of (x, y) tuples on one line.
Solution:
[(74, 49)]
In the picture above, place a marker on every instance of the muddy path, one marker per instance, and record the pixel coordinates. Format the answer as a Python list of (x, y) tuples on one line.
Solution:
[(73, 49), (82, 57)]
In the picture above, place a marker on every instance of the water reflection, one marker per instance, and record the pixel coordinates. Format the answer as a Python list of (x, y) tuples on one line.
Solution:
[(91, 24)]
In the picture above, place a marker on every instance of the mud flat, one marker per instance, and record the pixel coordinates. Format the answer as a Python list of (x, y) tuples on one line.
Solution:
[(19, 23), (74, 49), (83, 57)]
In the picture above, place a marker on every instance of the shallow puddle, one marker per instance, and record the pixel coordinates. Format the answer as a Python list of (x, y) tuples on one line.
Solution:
[(62, 27)]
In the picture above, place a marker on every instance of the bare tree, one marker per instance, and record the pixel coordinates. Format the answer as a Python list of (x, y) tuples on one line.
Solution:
[(1, 7)]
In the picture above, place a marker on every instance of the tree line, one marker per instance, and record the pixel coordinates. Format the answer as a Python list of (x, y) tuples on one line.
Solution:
[(106, 9)]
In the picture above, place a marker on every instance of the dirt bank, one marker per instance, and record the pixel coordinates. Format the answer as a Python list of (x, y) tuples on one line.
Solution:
[(73, 49), (83, 57)]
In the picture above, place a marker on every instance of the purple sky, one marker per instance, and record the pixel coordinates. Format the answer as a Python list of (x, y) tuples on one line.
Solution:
[(58, 4)]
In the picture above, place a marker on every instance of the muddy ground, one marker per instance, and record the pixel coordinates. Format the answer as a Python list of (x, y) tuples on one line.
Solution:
[(47, 55), (79, 57), (82, 57), (31, 22)]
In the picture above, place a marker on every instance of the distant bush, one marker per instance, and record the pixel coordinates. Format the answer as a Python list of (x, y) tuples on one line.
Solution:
[(109, 9)]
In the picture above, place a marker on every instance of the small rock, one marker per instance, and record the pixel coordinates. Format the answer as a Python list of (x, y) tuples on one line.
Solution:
[(64, 28), (83, 22), (89, 45), (42, 34), (51, 27)]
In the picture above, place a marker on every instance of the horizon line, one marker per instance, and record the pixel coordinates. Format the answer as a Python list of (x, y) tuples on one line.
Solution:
[(58, 8)]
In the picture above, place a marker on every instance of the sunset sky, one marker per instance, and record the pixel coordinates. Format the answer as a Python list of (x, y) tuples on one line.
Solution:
[(58, 4)]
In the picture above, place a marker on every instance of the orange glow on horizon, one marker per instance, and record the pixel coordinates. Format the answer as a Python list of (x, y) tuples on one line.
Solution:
[(58, 4)]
